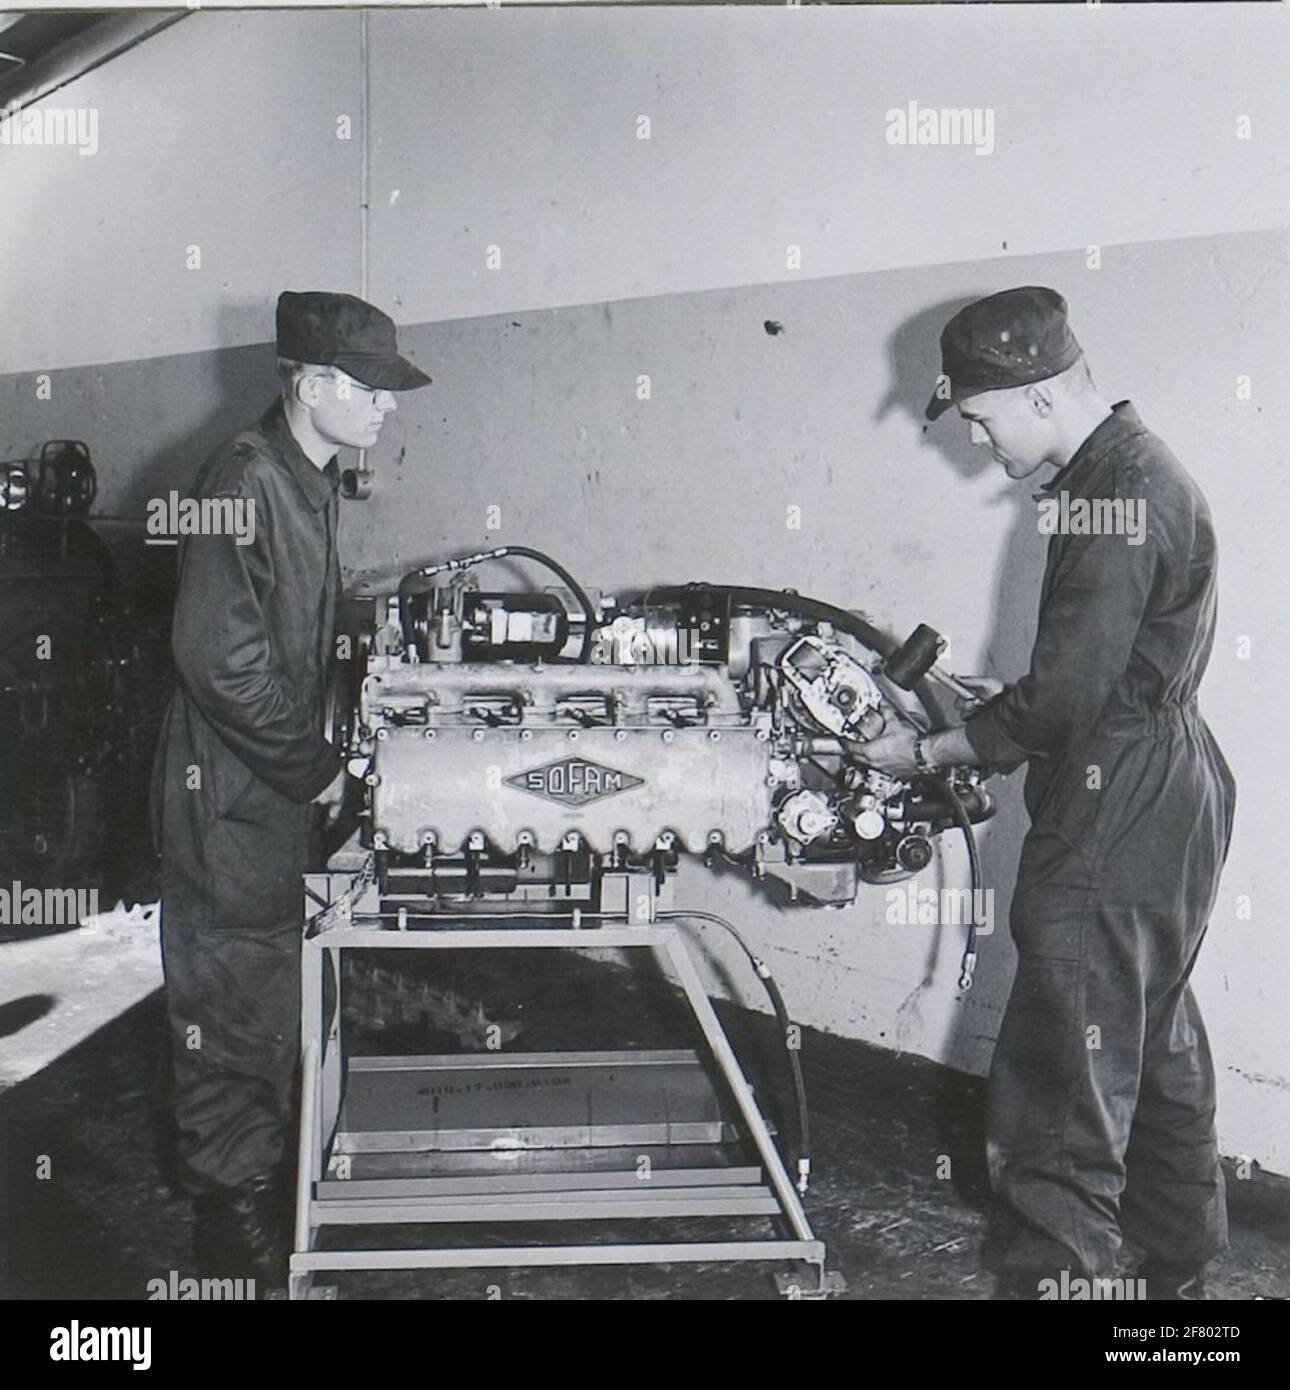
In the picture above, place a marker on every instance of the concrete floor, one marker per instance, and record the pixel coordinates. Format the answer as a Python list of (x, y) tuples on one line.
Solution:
[(108, 1217)]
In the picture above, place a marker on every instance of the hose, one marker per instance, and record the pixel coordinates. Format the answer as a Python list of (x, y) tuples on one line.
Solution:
[(781, 1013), (412, 583), (804, 607), (964, 823)]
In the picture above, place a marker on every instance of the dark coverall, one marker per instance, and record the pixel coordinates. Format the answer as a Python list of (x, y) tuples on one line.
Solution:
[(241, 758), (1102, 1086)]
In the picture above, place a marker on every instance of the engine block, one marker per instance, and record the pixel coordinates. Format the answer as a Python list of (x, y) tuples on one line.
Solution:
[(526, 755), (521, 744)]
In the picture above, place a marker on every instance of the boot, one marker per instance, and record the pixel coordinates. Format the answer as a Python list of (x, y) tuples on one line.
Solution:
[(1172, 1283), (241, 1233)]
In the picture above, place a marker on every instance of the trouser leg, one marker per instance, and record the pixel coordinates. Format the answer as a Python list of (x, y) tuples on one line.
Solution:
[(1174, 1204), (1063, 1085), (233, 1002)]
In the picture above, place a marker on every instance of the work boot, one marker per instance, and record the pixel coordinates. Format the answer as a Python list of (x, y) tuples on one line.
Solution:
[(1172, 1283), (241, 1233)]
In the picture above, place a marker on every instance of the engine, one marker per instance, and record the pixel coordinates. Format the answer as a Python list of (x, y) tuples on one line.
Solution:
[(521, 745)]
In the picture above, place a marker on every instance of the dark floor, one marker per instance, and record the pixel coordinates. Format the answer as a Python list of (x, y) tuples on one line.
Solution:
[(108, 1218)]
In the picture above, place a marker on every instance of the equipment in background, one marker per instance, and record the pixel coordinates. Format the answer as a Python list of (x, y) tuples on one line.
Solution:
[(533, 767), (84, 618), (60, 482)]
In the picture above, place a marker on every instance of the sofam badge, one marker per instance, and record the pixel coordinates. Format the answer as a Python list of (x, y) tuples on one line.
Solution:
[(574, 781)]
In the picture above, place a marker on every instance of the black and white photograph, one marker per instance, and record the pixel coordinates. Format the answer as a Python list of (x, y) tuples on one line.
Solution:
[(641, 649)]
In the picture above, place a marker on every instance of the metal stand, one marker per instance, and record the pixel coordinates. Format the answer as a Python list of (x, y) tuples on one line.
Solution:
[(379, 1174)]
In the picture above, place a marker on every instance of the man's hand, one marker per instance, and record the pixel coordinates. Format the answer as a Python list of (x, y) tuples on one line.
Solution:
[(331, 795), (892, 751), (986, 688)]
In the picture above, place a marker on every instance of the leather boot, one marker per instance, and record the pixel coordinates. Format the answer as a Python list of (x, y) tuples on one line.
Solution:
[(241, 1233)]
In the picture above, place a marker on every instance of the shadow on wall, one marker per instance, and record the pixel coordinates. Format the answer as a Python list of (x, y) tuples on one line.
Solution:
[(1014, 577)]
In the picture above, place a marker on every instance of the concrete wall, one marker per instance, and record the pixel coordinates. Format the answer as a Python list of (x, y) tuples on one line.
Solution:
[(667, 257)]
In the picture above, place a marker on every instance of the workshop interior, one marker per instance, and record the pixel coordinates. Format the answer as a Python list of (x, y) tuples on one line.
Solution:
[(614, 983)]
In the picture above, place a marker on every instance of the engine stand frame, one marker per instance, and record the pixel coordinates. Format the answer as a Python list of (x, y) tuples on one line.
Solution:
[(353, 915)]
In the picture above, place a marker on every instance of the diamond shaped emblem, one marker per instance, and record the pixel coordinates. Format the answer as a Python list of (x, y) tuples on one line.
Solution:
[(574, 781)]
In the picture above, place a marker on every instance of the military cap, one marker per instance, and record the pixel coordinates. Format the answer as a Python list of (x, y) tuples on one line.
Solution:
[(339, 330), (1007, 339)]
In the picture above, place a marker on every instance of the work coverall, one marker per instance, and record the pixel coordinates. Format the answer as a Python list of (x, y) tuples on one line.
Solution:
[(1102, 1087), (242, 756)]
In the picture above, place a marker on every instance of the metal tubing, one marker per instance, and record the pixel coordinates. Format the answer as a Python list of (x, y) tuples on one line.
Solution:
[(537, 1256), (565, 1206)]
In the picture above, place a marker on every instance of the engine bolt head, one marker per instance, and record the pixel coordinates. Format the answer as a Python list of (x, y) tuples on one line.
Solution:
[(477, 735), (668, 735), (429, 733), (382, 733), (620, 734), (525, 735), (373, 779), (714, 735), (573, 735)]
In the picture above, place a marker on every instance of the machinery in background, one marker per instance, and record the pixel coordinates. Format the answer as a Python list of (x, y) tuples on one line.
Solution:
[(533, 767), (84, 617)]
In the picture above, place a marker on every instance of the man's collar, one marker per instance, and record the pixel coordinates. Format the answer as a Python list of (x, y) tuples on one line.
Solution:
[(318, 485), (1119, 425)]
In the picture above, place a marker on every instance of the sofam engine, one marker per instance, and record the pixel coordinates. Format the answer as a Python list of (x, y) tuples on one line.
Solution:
[(518, 745), (534, 765)]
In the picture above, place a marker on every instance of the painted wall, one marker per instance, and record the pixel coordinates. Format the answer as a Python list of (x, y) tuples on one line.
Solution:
[(622, 257), (218, 134), (768, 129), (536, 413)]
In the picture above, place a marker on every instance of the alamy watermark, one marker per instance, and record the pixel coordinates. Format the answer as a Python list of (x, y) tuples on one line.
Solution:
[(911, 906), (76, 126), (174, 516), (187, 1290), (72, 1342), (634, 647), (942, 125), (1079, 1289), (46, 907), (1065, 515)]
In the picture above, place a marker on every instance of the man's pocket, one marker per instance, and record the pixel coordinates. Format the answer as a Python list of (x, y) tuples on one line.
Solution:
[(256, 853)]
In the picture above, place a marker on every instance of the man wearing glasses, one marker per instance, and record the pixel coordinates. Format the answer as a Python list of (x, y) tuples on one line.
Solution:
[(243, 764)]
